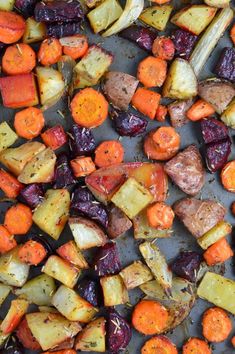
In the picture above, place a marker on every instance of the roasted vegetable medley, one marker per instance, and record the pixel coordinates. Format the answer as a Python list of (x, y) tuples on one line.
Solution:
[(71, 200)]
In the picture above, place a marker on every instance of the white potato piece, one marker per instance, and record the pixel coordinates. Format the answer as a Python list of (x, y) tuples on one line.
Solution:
[(3, 337), (217, 3), (228, 116), (92, 337), (219, 231), (7, 136), (142, 229), (7, 5), (34, 31), (135, 274), (114, 290), (157, 16), (4, 292)]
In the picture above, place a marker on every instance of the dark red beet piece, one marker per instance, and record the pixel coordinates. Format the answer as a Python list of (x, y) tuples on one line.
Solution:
[(84, 203), (184, 42), (143, 37), (128, 124), (217, 154), (225, 68), (58, 11), (213, 130), (107, 260), (90, 290), (81, 141), (118, 332), (32, 195), (25, 7), (63, 173), (59, 30), (186, 265)]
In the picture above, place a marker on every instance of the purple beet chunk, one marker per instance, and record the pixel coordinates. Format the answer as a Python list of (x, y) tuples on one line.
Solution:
[(59, 30), (81, 141), (63, 173), (184, 42), (83, 203), (107, 260), (186, 265), (225, 67), (26, 7), (32, 195), (213, 130), (217, 154), (90, 290), (118, 332), (59, 11), (143, 37), (128, 124)]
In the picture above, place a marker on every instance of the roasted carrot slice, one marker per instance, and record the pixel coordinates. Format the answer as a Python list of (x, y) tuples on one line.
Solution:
[(228, 176), (232, 34), (166, 138), (163, 47), (82, 166), (18, 59), (196, 346), (50, 51), (7, 241), (158, 345), (89, 108), (199, 110), (9, 184), (146, 102), (216, 325), (79, 49), (29, 122), (18, 219), (161, 113), (152, 71), (108, 153), (32, 252), (219, 252), (149, 317), (12, 27), (160, 215), (64, 351)]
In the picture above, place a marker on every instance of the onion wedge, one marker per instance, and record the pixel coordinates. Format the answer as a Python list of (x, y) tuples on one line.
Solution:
[(131, 12), (209, 39)]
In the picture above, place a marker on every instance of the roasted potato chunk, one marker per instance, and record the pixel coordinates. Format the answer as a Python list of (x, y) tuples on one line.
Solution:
[(219, 231), (4, 292), (142, 229), (118, 223), (217, 3), (177, 111), (92, 337), (135, 274), (228, 116), (7, 136), (156, 16), (34, 31), (16, 311), (114, 290)]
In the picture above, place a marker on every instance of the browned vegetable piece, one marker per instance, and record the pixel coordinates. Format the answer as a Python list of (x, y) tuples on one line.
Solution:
[(119, 88), (118, 222), (177, 111), (199, 216), (186, 170)]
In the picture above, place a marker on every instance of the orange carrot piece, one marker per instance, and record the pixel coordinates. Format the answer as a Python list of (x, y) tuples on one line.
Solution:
[(159, 344), (89, 108), (163, 48), (152, 71), (232, 34), (233, 341), (32, 252), (196, 346), (7, 241), (64, 351), (9, 184), (78, 51), (228, 176), (166, 138), (146, 102), (29, 122), (108, 153), (18, 59), (18, 219), (161, 113), (219, 252), (199, 110), (82, 166), (160, 2), (50, 51), (216, 325), (149, 317), (160, 216), (54, 137), (12, 27)]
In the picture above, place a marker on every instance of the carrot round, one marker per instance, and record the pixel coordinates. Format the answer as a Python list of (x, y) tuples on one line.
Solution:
[(233, 341), (9, 184), (146, 101), (7, 241), (29, 122), (161, 113), (163, 48), (32, 252), (18, 59), (232, 34), (89, 108), (228, 176), (50, 51), (150, 317), (199, 110), (108, 153), (158, 345), (79, 49), (160, 215), (219, 252), (12, 27), (18, 219), (216, 325), (196, 346), (152, 71)]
